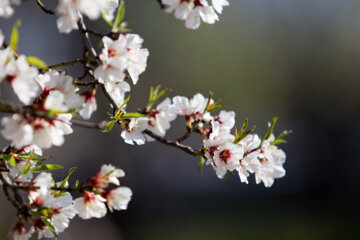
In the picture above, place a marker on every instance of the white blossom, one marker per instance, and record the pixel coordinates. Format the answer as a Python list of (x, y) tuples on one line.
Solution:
[(17, 130), (90, 205), (250, 162), (66, 96), (219, 4), (68, 16), (119, 198), (226, 121), (193, 11), (202, 12), (69, 12), (272, 160), (185, 107), (227, 158), (89, 106), (125, 53), (133, 131), (19, 232), (22, 78), (159, 120), (107, 174), (117, 91), (5, 8)]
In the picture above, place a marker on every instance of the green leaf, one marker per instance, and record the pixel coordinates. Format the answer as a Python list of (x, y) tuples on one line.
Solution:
[(155, 95), (26, 168), (46, 167), (279, 139), (106, 20), (36, 62), (284, 133), (49, 225), (14, 40), (120, 110), (109, 126), (119, 16), (9, 158), (243, 133), (66, 179), (76, 184), (201, 164), (132, 115), (271, 128)]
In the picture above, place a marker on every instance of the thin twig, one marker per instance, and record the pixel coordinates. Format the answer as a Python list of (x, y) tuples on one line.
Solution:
[(70, 63), (41, 5), (85, 36), (176, 144)]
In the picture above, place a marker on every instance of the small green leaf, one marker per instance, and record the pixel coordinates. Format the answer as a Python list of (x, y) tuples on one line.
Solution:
[(9, 158), (76, 184), (26, 168), (14, 40), (201, 164), (49, 225), (66, 179), (119, 16), (106, 20), (109, 126), (243, 133), (37, 62), (132, 115), (46, 167), (271, 128)]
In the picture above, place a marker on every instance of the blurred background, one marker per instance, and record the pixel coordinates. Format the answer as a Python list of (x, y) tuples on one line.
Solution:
[(297, 57)]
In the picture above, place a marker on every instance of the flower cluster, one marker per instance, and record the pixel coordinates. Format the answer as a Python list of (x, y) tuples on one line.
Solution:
[(244, 152), (52, 99), (70, 12), (17, 71), (50, 205), (193, 11), (119, 57), (5, 7)]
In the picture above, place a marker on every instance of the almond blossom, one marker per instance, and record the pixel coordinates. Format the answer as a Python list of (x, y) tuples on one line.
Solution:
[(124, 54), (107, 174), (227, 158), (5, 7), (61, 206), (21, 76), (43, 133), (160, 118), (272, 160), (90, 205), (119, 198), (193, 11), (69, 12), (133, 131), (19, 232)]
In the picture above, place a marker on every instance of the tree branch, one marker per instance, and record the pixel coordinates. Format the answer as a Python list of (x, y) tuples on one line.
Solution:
[(42, 7), (176, 144)]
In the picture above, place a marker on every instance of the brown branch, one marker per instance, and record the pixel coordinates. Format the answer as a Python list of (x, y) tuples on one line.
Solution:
[(42, 7), (176, 144), (85, 36), (109, 98), (70, 63)]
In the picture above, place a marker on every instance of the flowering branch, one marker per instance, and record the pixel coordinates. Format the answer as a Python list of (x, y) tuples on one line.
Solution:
[(52, 98)]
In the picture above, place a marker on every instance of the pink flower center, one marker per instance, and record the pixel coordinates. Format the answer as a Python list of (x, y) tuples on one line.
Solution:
[(225, 155)]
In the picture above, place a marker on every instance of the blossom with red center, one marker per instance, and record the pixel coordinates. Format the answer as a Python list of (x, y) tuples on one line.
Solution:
[(106, 175), (90, 205), (227, 158)]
